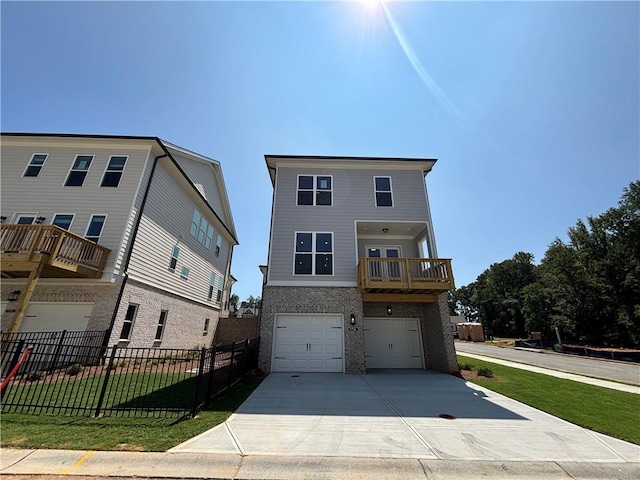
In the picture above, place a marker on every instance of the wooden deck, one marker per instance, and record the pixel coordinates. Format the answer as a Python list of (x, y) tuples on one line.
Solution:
[(404, 279), (55, 252)]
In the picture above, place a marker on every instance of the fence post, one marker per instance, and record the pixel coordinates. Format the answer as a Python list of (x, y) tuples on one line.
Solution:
[(212, 368), (16, 354), (196, 397), (57, 351), (230, 378), (106, 381), (244, 356)]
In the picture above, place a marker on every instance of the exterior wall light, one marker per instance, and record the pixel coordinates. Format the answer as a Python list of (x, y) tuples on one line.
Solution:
[(40, 219), (13, 296), (389, 311), (352, 319)]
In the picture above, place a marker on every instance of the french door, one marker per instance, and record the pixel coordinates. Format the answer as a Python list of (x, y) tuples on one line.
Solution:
[(384, 270)]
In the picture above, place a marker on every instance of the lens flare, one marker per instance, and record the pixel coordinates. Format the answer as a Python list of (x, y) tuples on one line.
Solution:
[(430, 83)]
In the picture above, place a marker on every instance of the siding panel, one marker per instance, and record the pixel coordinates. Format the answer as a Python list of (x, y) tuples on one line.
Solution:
[(353, 199), (46, 194), (159, 232)]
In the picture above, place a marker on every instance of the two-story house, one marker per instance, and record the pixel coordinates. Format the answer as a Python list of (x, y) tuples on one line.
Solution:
[(128, 234), (353, 280)]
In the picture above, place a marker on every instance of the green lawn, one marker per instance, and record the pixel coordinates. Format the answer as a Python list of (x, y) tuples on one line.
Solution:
[(600, 409), (21, 430)]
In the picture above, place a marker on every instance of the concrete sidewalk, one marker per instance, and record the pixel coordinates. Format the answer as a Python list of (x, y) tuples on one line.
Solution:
[(557, 373), (15, 464)]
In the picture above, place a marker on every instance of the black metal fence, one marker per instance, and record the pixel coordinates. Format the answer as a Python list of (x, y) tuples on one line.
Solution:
[(87, 379), (58, 349)]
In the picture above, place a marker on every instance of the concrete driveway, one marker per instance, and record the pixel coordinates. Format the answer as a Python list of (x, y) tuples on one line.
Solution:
[(399, 414)]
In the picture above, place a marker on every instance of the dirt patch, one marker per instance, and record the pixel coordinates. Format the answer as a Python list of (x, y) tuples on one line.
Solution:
[(472, 375)]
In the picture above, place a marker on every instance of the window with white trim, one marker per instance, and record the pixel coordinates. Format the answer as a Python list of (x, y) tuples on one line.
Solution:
[(212, 283), (206, 326), (218, 245), (78, 171), (174, 258), (384, 196), (35, 165), (209, 238), (220, 287), (315, 189), (63, 220), (94, 229), (201, 230), (185, 272), (129, 318), (161, 324), (313, 253), (113, 172)]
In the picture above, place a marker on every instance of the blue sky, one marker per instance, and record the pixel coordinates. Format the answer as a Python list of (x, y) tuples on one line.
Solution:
[(532, 109)]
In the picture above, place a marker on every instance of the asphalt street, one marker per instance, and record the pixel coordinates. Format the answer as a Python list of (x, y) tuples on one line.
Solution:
[(592, 367)]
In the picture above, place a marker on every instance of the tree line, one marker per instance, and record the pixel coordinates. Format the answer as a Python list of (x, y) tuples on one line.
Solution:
[(587, 287)]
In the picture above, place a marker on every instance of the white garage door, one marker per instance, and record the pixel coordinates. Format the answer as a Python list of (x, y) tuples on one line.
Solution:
[(392, 343), (308, 343), (56, 316)]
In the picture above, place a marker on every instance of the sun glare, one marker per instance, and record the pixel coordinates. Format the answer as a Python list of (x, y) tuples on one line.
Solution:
[(372, 4)]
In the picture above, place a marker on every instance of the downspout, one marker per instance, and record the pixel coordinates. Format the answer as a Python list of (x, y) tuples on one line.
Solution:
[(105, 342)]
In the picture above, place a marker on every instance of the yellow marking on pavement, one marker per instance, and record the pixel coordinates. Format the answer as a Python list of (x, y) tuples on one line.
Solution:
[(80, 461)]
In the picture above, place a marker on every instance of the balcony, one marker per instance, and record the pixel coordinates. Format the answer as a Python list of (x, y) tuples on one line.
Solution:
[(404, 279), (47, 251)]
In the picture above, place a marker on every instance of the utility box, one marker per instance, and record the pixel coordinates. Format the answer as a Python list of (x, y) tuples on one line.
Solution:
[(471, 331)]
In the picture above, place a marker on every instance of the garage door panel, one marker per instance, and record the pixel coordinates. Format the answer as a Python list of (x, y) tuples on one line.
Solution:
[(56, 316), (392, 343), (308, 343)]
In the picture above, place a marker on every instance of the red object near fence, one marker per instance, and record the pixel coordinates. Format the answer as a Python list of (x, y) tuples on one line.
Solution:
[(15, 369)]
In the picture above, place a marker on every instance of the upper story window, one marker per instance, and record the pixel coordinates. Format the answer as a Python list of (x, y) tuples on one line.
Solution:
[(384, 196), (94, 229), (201, 230), (63, 220), (185, 272), (218, 245), (113, 172), (315, 189), (313, 253), (78, 171), (35, 165)]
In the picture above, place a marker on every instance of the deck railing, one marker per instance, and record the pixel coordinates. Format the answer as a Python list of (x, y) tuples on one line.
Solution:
[(405, 274), (66, 250)]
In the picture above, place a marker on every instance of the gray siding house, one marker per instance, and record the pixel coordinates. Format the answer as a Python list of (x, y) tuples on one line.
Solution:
[(353, 280), (128, 234)]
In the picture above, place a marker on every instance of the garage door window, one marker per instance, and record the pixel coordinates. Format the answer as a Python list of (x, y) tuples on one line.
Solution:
[(313, 253), (129, 318)]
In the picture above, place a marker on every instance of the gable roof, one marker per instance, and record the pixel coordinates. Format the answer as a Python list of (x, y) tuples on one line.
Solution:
[(345, 161)]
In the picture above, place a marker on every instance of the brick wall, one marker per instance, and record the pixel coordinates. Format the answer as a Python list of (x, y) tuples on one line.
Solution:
[(184, 327), (336, 300), (232, 329)]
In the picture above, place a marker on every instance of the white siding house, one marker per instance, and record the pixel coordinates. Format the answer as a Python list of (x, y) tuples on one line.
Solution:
[(353, 280), (99, 233)]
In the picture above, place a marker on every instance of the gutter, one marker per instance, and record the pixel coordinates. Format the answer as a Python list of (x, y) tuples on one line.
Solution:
[(134, 234)]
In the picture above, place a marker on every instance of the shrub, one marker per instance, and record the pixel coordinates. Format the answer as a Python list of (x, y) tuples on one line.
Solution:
[(35, 376), (74, 369), (485, 372), (465, 366)]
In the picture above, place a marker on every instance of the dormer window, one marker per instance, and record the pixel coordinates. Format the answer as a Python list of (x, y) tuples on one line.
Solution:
[(315, 189)]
